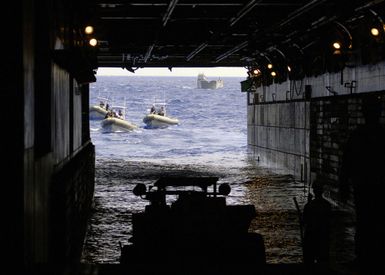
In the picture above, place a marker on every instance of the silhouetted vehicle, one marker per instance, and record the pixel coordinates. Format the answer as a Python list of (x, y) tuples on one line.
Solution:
[(192, 230)]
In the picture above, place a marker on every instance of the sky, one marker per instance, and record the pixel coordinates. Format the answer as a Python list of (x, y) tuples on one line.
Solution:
[(214, 71)]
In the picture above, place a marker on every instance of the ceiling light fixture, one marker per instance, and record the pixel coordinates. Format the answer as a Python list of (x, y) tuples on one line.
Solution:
[(377, 25), (374, 31), (337, 45), (93, 42), (256, 72), (344, 37), (89, 30)]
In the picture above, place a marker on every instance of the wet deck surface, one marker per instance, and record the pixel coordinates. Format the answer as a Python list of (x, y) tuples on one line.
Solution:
[(271, 194), (270, 269), (117, 269)]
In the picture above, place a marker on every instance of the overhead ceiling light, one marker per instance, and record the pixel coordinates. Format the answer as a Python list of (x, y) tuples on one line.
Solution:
[(266, 61), (337, 45), (374, 31), (288, 68), (341, 38), (89, 30), (273, 74), (93, 42), (375, 23), (256, 72)]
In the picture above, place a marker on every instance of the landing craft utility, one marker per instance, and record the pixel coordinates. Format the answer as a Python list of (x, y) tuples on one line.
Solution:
[(203, 83)]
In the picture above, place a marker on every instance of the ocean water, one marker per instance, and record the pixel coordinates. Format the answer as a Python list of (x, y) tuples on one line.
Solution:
[(211, 140), (212, 122)]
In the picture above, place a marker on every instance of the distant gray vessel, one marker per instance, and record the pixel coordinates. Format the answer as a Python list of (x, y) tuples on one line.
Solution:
[(203, 83)]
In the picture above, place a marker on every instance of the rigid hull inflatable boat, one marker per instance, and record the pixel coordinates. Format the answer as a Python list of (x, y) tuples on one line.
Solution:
[(97, 112), (157, 118), (115, 121), (114, 124), (159, 121)]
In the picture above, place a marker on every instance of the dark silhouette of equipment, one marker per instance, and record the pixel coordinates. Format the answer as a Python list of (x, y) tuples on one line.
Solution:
[(196, 233)]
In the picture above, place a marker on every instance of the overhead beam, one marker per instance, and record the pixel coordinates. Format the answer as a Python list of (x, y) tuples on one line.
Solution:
[(300, 11), (213, 4), (370, 4), (171, 62), (196, 51), (157, 18), (148, 53), (193, 4), (245, 10), (129, 18), (232, 51), (169, 11)]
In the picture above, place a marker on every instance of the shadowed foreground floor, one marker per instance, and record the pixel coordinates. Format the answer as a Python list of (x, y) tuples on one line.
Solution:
[(117, 269)]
